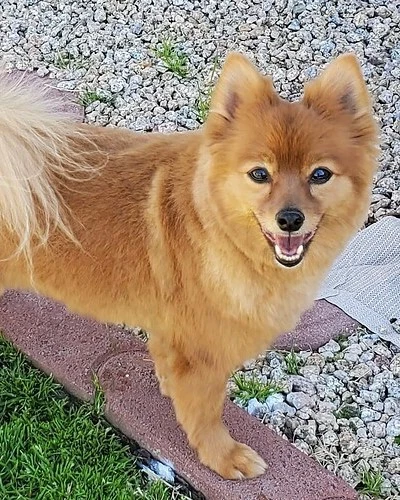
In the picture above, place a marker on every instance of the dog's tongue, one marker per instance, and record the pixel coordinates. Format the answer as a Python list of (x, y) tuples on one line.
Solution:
[(289, 244)]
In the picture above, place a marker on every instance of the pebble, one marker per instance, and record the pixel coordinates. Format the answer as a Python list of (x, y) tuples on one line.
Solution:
[(393, 426), (347, 406), (299, 400), (361, 371)]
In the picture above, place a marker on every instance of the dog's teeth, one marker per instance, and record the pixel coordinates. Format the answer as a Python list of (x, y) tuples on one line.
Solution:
[(278, 251), (289, 258)]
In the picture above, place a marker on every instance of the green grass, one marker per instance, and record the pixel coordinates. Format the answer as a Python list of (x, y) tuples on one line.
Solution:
[(89, 96), (249, 388), (173, 59), (65, 60), (53, 448), (397, 440), (371, 483), (347, 411), (342, 340), (202, 105), (293, 363)]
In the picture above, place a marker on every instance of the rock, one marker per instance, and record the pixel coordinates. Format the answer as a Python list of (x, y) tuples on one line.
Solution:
[(394, 466), (257, 409), (285, 409), (361, 371), (294, 25), (273, 401), (392, 406), (330, 438), (306, 432), (395, 365), (347, 441), (369, 396), (301, 384), (317, 360), (299, 400), (310, 371), (326, 420), (368, 415), (331, 346), (377, 429), (347, 473), (393, 388), (393, 426)]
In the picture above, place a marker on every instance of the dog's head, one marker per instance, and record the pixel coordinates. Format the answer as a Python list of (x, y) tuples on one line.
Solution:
[(285, 174)]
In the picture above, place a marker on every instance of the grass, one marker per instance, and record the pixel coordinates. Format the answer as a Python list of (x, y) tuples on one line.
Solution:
[(202, 105), (342, 340), (249, 388), (66, 60), (371, 483), (173, 59), (89, 96), (347, 411), (397, 440), (293, 363), (53, 448)]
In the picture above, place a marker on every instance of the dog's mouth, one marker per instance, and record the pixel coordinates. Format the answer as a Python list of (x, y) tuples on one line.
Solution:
[(289, 248)]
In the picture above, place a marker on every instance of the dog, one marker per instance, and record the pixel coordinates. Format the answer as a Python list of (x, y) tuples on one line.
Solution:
[(214, 241)]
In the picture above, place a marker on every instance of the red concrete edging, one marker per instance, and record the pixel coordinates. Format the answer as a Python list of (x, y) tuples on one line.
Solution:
[(72, 348), (323, 322)]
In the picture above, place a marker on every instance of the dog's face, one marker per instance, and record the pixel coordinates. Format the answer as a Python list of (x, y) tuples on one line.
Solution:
[(291, 171)]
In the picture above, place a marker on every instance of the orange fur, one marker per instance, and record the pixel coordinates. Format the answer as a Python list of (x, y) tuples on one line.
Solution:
[(167, 231)]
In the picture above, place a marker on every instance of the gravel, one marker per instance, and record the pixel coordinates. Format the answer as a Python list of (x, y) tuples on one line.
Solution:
[(343, 405), (109, 47), (349, 424)]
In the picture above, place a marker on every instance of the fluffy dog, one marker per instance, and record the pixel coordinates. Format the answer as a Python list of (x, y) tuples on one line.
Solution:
[(214, 241)]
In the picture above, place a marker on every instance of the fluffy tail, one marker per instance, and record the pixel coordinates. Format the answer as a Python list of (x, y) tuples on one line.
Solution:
[(38, 143)]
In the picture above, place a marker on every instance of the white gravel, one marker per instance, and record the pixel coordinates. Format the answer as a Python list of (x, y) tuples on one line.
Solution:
[(342, 406), (108, 49)]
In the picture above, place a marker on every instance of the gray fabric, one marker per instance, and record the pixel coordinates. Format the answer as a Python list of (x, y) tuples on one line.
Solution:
[(365, 281)]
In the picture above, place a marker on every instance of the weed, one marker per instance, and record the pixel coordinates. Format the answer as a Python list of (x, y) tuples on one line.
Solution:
[(371, 483), (342, 340), (66, 60), (90, 96), (293, 363), (99, 399), (202, 105), (249, 388), (174, 60), (347, 411)]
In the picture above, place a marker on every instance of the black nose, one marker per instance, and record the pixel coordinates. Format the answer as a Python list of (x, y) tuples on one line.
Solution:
[(290, 219)]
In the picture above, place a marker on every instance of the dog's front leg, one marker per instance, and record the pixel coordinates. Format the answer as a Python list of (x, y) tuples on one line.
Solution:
[(198, 393)]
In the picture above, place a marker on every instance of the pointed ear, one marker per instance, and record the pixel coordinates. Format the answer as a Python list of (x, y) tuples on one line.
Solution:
[(340, 87), (239, 80)]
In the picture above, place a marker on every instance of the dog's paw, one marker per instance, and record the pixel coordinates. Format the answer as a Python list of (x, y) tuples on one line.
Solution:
[(240, 462)]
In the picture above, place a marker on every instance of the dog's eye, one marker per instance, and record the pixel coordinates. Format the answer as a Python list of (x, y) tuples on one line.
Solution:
[(259, 175), (320, 176)]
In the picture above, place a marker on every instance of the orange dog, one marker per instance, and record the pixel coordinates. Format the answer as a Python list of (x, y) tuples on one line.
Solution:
[(214, 241)]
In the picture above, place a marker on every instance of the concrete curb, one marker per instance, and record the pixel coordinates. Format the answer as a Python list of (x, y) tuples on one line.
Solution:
[(73, 348)]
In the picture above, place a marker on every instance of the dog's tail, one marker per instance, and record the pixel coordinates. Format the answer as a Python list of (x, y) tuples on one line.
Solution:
[(38, 144)]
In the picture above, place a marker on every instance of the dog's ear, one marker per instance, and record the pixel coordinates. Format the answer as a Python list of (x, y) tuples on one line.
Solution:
[(340, 87), (239, 80)]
